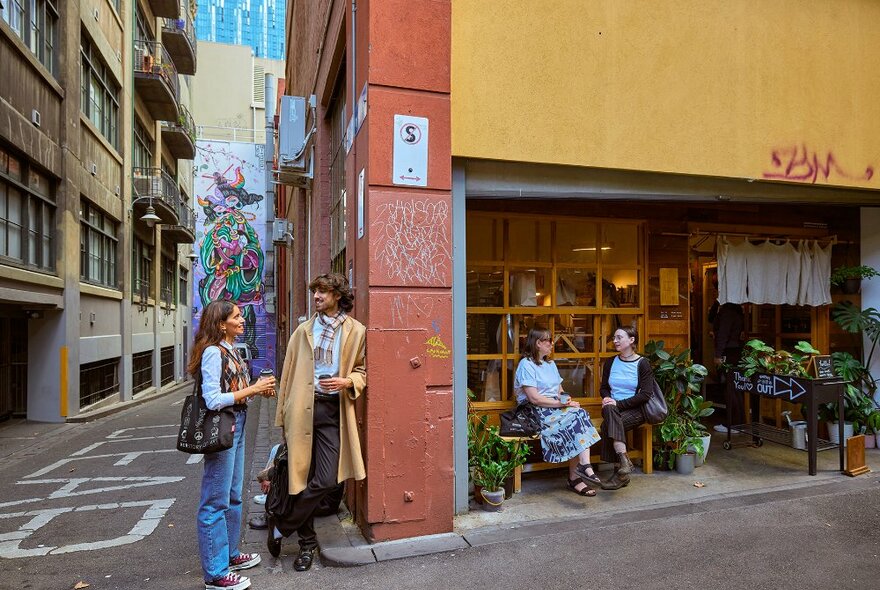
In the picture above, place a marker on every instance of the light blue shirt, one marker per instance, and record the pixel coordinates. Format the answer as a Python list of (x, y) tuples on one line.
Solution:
[(332, 368), (623, 379), (544, 377), (212, 369)]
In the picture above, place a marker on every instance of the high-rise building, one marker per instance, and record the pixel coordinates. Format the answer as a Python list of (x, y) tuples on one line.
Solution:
[(257, 23)]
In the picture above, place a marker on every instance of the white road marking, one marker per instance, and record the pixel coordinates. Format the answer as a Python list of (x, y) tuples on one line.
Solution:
[(94, 446), (69, 489), (10, 542), (193, 459), (126, 458), (118, 433)]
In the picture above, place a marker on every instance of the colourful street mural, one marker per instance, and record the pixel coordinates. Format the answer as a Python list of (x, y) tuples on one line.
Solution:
[(231, 217)]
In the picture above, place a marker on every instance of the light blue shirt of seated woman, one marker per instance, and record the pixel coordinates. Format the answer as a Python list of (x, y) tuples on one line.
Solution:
[(544, 377), (623, 379)]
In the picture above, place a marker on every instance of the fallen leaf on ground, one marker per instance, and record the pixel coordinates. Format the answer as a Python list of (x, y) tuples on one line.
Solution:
[(80, 585), (699, 484)]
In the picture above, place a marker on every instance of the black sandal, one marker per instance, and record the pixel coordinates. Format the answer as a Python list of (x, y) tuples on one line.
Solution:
[(593, 480), (585, 491)]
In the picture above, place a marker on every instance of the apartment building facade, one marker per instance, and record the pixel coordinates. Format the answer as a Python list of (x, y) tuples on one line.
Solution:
[(96, 145)]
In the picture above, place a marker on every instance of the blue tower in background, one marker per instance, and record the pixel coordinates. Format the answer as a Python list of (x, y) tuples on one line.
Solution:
[(258, 23)]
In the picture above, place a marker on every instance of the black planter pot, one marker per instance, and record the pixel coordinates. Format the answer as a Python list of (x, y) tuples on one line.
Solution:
[(851, 286)]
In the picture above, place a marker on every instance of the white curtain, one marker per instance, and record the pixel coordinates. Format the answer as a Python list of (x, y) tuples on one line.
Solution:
[(775, 274)]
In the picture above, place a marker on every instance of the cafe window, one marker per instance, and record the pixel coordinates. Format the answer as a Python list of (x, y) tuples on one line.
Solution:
[(579, 278)]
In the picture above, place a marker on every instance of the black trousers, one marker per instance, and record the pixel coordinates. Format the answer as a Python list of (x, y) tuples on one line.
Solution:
[(322, 475), (736, 409), (614, 426)]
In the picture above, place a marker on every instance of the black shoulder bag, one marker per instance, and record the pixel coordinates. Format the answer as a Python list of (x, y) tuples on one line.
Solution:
[(202, 430), (655, 408), (520, 421)]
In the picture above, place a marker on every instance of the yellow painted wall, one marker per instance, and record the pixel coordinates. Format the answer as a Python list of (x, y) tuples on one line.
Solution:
[(709, 87)]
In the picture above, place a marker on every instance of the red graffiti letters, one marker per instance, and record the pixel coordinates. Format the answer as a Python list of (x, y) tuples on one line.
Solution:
[(800, 164)]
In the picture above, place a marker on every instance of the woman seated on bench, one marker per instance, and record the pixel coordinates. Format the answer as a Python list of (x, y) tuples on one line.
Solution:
[(566, 430), (627, 383)]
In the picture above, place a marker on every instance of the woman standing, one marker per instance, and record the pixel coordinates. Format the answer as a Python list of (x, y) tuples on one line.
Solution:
[(566, 430), (223, 379), (627, 383)]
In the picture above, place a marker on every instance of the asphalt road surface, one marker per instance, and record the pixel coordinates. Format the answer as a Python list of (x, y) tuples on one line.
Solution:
[(111, 504)]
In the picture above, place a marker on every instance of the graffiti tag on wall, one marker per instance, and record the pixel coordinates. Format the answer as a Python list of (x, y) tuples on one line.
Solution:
[(802, 164), (412, 240)]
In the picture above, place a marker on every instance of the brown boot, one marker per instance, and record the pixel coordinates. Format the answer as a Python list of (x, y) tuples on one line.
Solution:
[(615, 482), (626, 466)]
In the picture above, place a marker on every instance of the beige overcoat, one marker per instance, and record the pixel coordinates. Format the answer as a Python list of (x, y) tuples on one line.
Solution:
[(296, 395)]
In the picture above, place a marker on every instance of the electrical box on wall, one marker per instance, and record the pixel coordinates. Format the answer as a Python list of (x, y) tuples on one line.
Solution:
[(281, 232)]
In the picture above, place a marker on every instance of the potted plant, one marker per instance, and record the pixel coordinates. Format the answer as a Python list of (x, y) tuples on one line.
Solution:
[(873, 424), (492, 460), (849, 278), (679, 437)]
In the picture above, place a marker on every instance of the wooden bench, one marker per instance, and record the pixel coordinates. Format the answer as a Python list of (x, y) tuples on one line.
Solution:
[(639, 442)]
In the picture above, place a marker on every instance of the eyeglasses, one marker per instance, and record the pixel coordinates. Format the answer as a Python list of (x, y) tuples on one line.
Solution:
[(545, 339)]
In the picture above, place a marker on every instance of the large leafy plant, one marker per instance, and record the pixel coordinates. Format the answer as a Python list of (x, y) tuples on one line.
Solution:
[(759, 357), (491, 459), (681, 381)]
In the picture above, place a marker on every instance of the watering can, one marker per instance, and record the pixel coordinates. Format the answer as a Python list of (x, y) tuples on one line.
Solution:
[(798, 431)]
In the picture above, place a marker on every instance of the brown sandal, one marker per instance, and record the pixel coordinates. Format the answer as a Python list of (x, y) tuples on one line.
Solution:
[(585, 491)]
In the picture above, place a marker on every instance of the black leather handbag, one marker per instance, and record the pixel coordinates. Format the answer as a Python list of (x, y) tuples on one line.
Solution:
[(520, 421), (202, 430), (655, 408)]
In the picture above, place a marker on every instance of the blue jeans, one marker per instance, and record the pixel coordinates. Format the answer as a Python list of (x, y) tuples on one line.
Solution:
[(219, 518)]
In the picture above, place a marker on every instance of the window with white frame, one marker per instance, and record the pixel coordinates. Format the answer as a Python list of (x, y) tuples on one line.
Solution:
[(100, 93), (98, 245), (141, 267), (36, 23)]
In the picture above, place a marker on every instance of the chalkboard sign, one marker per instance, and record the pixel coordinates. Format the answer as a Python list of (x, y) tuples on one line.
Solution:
[(821, 367)]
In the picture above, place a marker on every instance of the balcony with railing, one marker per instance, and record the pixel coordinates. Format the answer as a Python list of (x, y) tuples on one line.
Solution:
[(156, 81), (179, 37), (153, 187), (180, 135), (166, 8), (183, 232)]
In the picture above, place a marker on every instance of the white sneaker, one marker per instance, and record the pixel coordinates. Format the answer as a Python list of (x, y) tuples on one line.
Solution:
[(720, 428)]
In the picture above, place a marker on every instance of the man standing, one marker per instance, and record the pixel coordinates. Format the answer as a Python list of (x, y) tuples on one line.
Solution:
[(728, 323), (323, 374)]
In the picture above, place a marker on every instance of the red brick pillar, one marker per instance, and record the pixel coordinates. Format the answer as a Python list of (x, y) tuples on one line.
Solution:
[(403, 269)]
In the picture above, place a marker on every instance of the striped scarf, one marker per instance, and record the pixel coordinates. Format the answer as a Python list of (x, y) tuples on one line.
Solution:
[(324, 346)]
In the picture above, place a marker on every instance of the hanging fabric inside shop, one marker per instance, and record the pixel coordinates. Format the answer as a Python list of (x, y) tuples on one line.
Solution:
[(774, 274)]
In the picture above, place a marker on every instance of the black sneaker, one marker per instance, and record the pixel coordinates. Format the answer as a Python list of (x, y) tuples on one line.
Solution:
[(230, 581)]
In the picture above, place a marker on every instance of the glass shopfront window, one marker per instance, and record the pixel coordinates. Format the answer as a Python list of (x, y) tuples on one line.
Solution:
[(579, 278)]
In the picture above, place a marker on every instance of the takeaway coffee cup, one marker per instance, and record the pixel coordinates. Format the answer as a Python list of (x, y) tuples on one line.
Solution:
[(324, 376)]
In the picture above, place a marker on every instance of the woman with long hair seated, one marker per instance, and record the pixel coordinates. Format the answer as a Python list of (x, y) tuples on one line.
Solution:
[(566, 430), (627, 384)]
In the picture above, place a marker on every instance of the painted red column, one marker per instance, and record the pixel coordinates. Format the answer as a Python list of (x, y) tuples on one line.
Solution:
[(402, 268)]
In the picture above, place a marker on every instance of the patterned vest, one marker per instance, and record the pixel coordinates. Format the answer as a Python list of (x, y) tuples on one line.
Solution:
[(233, 377)]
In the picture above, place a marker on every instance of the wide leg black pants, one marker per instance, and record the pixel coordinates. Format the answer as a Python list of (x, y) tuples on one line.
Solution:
[(322, 475)]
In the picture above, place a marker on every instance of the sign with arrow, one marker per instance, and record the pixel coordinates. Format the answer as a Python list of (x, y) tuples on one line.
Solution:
[(410, 161)]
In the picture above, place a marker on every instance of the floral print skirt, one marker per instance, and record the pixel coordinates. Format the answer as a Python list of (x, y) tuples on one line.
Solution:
[(565, 433)]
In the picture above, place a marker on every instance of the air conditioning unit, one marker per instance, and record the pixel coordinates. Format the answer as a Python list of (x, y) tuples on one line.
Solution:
[(35, 117), (292, 132), (281, 231)]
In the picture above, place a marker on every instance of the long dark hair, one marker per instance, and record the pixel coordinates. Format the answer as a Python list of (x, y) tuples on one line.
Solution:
[(209, 333), (530, 350), (334, 283)]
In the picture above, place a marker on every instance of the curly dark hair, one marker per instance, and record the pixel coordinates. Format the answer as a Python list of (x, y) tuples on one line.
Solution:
[(334, 282)]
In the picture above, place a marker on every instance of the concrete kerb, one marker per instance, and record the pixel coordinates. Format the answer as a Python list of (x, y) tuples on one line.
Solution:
[(120, 406)]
